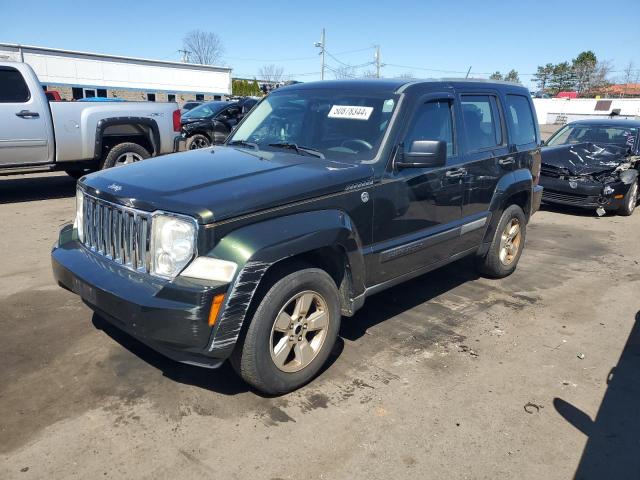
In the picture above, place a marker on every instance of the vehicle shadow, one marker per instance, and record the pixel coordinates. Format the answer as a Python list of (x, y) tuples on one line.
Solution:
[(223, 380), (575, 211), (29, 188), (613, 447), (390, 303)]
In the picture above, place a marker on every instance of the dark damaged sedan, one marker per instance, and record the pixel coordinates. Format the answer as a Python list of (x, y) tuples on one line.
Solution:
[(593, 164)]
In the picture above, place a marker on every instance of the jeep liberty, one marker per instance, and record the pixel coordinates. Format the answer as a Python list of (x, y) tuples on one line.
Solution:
[(325, 194)]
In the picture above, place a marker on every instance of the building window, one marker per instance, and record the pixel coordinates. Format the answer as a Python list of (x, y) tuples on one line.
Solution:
[(89, 93), (151, 97), (102, 92), (171, 97), (77, 93), (200, 97), (217, 97)]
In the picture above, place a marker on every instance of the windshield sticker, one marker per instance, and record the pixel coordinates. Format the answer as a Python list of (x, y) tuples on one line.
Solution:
[(350, 112)]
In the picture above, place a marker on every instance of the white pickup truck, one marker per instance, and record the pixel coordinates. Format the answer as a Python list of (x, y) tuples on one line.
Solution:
[(76, 137)]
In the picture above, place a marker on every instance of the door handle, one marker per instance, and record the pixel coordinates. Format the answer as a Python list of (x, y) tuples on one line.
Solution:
[(507, 161), (27, 114), (456, 173)]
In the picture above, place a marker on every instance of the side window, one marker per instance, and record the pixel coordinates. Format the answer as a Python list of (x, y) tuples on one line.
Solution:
[(520, 120), (481, 122), (433, 121), (13, 88)]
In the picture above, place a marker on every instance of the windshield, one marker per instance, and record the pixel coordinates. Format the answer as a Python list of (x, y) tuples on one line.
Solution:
[(607, 134), (205, 110), (338, 124)]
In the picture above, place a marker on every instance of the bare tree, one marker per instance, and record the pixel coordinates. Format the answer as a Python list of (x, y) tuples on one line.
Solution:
[(344, 71), (203, 47), (407, 76), (272, 73), (627, 79), (369, 74)]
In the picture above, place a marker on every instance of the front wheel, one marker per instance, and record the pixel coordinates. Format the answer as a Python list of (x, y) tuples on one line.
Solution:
[(198, 141), (291, 334), (506, 246), (630, 200)]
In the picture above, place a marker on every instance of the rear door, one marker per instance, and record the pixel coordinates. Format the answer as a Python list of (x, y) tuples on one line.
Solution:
[(486, 158), (24, 128), (417, 210)]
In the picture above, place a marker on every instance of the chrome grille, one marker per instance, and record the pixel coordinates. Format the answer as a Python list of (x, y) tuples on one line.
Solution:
[(119, 233)]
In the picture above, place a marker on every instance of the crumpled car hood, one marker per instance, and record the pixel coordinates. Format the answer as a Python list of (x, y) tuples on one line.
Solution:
[(584, 158)]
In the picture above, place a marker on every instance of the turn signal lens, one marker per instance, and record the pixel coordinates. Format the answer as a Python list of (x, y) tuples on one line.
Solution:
[(215, 308)]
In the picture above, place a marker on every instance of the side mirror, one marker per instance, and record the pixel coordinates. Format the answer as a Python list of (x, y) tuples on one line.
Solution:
[(424, 154)]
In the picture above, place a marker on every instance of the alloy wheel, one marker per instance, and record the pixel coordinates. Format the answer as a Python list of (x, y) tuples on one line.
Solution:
[(127, 158), (299, 331), (510, 241)]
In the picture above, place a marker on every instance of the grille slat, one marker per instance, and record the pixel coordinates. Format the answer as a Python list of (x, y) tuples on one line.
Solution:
[(119, 233)]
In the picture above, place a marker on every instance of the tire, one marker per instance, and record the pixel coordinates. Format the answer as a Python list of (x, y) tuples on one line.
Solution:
[(501, 261), (198, 141), (261, 357), (124, 153), (630, 200)]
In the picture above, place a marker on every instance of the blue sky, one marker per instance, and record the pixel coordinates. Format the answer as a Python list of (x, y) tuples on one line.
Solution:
[(486, 35)]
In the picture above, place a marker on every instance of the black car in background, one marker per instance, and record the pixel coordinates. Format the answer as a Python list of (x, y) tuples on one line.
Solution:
[(593, 164), (211, 123)]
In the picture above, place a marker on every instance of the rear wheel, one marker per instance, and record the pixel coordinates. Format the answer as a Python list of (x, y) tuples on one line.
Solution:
[(630, 200), (198, 141), (291, 334), (506, 246), (124, 154)]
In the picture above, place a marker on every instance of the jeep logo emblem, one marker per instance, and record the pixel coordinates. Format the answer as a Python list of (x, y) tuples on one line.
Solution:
[(115, 187), (364, 197)]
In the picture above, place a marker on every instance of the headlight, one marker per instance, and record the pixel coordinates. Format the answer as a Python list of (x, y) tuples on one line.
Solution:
[(173, 245), (79, 222), (608, 190)]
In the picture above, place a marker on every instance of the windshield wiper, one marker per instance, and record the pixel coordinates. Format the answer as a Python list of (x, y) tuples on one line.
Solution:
[(244, 143), (292, 146)]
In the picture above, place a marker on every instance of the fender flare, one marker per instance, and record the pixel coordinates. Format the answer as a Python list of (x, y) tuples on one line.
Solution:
[(511, 184), (257, 247), (109, 122)]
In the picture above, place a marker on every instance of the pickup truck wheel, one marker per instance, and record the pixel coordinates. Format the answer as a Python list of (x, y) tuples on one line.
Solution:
[(198, 141), (630, 200), (124, 154), (291, 334), (507, 244)]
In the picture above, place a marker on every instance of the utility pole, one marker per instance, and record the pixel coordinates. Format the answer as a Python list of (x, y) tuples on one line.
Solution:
[(377, 58), (185, 55), (321, 46), (468, 72)]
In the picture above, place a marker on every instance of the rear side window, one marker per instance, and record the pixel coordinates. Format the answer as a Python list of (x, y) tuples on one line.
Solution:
[(520, 120), (433, 121), (13, 88), (481, 122)]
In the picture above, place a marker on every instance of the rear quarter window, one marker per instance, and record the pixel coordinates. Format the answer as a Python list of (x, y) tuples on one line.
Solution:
[(13, 88), (520, 119)]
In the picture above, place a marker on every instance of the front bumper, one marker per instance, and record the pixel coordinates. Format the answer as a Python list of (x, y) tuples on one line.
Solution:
[(169, 316), (582, 193)]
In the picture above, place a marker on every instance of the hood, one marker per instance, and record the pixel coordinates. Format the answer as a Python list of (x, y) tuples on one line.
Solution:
[(584, 158), (217, 183)]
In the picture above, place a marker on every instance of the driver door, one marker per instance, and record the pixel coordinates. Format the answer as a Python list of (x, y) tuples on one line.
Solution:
[(417, 210)]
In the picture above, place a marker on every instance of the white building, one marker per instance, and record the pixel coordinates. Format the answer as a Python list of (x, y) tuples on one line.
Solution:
[(77, 75)]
